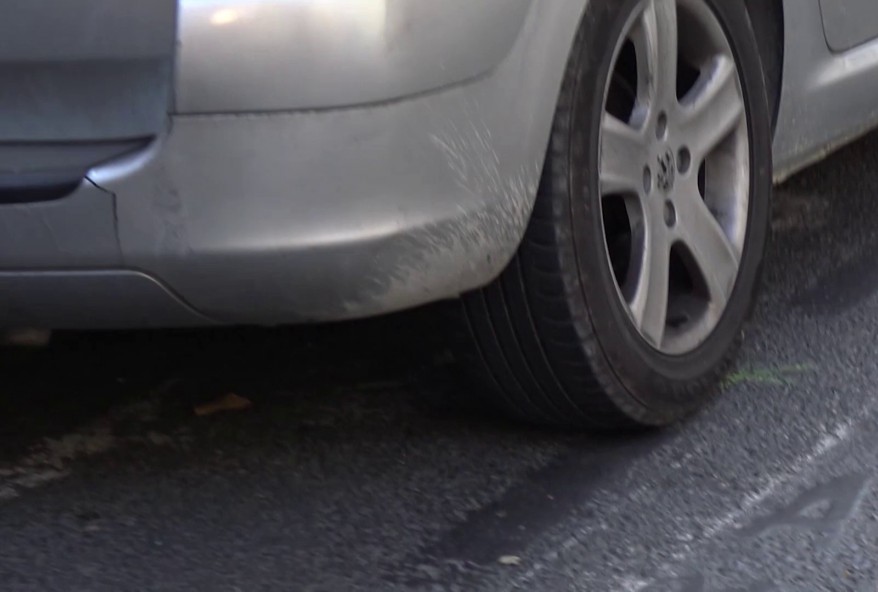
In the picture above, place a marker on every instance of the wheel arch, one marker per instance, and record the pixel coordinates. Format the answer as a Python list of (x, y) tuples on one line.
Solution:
[(767, 17)]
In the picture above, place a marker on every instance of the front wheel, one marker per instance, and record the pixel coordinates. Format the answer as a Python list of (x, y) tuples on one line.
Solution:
[(629, 293)]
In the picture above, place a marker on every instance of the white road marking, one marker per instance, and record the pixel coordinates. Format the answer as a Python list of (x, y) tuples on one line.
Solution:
[(829, 441)]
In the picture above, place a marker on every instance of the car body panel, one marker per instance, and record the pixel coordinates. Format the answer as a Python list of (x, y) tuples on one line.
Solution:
[(849, 23), (93, 299), (78, 231), (83, 81), (828, 98), (350, 212), (100, 69), (313, 54)]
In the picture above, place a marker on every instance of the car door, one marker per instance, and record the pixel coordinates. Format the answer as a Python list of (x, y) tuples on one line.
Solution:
[(81, 81), (848, 23)]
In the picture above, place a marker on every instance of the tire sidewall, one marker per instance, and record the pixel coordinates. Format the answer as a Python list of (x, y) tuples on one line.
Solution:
[(658, 382)]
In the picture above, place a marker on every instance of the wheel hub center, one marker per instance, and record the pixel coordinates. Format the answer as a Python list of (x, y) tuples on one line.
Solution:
[(666, 170)]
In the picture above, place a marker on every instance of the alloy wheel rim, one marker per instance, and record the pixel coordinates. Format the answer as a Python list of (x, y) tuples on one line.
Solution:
[(674, 173)]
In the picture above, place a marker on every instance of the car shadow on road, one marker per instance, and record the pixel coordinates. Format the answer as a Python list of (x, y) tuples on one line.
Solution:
[(361, 406)]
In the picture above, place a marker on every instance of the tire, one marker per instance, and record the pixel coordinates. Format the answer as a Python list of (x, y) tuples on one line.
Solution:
[(556, 337)]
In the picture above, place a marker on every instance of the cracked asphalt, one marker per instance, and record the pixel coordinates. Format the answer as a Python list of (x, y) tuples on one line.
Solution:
[(352, 469)]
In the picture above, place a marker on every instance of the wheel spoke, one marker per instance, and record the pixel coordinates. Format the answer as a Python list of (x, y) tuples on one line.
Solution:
[(623, 154), (655, 41), (649, 306), (712, 109), (716, 257)]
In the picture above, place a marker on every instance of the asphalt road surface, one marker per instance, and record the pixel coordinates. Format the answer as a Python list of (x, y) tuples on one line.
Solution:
[(349, 472)]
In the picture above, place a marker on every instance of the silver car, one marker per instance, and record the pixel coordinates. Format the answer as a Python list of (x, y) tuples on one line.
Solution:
[(589, 179)]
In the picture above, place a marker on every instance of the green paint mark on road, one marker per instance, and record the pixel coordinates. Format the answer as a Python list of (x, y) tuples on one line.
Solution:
[(781, 376)]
